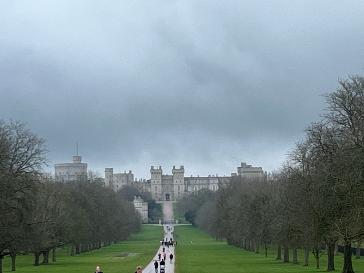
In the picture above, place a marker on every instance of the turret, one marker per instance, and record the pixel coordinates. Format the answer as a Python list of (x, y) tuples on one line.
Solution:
[(77, 159), (156, 182), (178, 181), (109, 173)]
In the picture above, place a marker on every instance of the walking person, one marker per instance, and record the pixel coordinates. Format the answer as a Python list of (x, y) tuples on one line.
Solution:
[(171, 258), (98, 269), (164, 256), (162, 266), (139, 269), (156, 266), (159, 256)]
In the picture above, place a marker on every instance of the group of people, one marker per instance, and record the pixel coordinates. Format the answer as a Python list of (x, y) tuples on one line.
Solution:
[(162, 257), (162, 262), (168, 243)]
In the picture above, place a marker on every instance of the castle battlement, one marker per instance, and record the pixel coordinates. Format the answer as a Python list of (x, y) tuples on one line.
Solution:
[(165, 187)]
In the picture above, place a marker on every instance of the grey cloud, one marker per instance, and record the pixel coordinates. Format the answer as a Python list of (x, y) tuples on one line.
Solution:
[(206, 84)]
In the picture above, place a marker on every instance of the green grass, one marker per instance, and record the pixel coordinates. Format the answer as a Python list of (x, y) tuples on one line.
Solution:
[(197, 252), (145, 244)]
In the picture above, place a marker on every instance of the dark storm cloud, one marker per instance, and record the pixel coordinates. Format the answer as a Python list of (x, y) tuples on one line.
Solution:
[(206, 84)]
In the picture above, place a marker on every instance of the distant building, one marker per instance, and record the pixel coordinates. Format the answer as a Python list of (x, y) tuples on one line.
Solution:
[(68, 172), (116, 181), (171, 187), (141, 207), (249, 171)]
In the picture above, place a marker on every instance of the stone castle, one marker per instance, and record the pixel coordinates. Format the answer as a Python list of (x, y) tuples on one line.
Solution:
[(163, 187), (171, 187)]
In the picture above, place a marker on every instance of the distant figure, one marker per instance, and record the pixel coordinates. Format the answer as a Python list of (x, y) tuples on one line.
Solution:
[(159, 256), (98, 269), (164, 256), (164, 249), (139, 269), (162, 266), (156, 266), (171, 258)]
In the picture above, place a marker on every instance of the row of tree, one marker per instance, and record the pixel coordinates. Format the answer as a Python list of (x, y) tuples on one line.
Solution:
[(38, 215), (316, 200)]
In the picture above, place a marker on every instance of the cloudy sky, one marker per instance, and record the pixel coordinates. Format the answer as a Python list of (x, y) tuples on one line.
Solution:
[(205, 84)]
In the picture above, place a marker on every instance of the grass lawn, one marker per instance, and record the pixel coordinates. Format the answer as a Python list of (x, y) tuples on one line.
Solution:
[(142, 247), (197, 252)]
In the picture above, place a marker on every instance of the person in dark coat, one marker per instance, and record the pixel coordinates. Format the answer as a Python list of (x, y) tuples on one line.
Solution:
[(156, 266), (171, 258)]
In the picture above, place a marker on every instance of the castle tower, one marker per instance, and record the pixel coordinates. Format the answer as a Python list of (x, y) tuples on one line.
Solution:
[(109, 173), (178, 182), (156, 182)]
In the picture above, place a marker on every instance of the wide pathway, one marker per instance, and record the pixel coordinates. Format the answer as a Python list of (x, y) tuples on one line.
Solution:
[(168, 234), (168, 211)]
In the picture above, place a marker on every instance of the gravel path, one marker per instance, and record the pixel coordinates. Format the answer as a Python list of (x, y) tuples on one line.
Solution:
[(168, 234)]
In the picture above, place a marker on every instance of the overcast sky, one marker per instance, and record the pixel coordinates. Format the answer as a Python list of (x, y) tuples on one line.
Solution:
[(204, 84)]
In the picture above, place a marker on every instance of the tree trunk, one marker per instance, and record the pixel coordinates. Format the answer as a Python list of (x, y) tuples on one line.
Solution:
[(78, 246), (294, 254), (36, 258), (306, 257), (1, 263), (316, 253), (54, 259), (357, 253), (285, 254), (331, 256), (72, 250), (348, 265), (13, 259), (45, 257), (279, 253), (265, 250), (256, 247), (317, 262)]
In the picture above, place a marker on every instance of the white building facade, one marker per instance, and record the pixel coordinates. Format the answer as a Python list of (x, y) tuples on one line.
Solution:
[(70, 172)]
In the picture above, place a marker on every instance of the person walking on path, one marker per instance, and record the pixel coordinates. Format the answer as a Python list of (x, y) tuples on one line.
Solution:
[(159, 256), (162, 266), (171, 258), (98, 269), (156, 266), (139, 269)]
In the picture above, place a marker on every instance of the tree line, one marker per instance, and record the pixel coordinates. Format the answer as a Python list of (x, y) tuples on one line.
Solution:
[(39, 215), (315, 202)]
